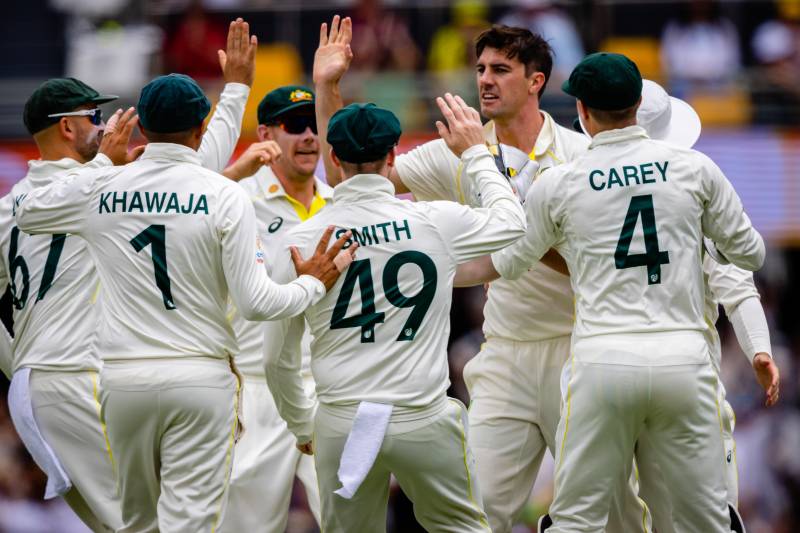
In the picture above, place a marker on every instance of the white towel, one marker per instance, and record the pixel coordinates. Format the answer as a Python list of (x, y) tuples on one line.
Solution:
[(362, 446), (21, 409)]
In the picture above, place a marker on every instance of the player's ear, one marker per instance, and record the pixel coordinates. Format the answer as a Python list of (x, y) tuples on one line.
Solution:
[(264, 134), (537, 80), (66, 129), (335, 159), (391, 157)]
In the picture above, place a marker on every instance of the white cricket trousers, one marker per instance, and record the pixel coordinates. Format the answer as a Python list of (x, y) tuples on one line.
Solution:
[(653, 487), (66, 406), (264, 467), (430, 459), (607, 407), (172, 424), (515, 402)]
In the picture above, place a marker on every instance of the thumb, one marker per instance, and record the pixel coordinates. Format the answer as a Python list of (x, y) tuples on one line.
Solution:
[(444, 133), (223, 58), (134, 154)]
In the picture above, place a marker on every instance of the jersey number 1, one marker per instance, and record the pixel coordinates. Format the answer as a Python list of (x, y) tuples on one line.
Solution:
[(156, 235), (361, 271), (653, 257)]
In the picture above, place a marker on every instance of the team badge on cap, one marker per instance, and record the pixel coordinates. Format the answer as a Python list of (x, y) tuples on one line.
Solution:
[(299, 95)]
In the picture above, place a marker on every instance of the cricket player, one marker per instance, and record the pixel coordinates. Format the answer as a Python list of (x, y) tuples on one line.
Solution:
[(170, 240), (514, 380), (283, 195), (378, 354), (670, 119), (54, 285), (641, 360)]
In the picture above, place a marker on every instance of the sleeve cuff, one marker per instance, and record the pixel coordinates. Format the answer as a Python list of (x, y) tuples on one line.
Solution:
[(501, 265), (314, 286), (101, 160), (475, 151), (236, 89)]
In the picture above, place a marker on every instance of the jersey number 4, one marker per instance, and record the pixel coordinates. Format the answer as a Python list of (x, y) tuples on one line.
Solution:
[(19, 294), (653, 257), (156, 236), (361, 271)]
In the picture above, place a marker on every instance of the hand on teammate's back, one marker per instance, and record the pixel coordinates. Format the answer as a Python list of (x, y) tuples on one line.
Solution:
[(117, 135), (238, 60), (463, 129), (326, 264), (768, 376), (333, 56), (256, 156)]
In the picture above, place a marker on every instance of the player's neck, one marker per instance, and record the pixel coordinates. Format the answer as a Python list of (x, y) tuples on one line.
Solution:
[(301, 190), (55, 152), (521, 130)]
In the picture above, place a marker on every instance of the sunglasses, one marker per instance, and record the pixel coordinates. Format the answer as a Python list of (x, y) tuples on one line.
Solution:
[(297, 124), (95, 115)]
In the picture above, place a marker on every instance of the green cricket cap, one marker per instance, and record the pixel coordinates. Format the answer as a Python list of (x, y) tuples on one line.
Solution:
[(605, 81), (360, 133), (284, 99), (58, 95), (172, 103)]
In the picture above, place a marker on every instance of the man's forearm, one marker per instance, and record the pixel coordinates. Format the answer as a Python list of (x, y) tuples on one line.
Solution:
[(329, 101)]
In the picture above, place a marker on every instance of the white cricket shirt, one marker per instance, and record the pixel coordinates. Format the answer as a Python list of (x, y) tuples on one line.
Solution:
[(629, 218), (56, 323), (538, 305), (380, 334), (170, 240), (276, 214)]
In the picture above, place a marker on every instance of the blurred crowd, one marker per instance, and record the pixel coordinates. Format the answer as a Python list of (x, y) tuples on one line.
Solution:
[(737, 63)]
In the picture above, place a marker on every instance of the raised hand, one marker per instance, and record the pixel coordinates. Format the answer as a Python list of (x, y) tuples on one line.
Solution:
[(326, 264), (257, 155), (768, 376), (333, 55), (238, 60), (117, 135), (463, 129)]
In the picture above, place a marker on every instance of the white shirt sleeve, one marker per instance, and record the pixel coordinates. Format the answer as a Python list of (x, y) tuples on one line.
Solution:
[(725, 221), (283, 364), (429, 170), (470, 233), (224, 128), (6, 358), (750, 325), (64, 205), (541, 235), (255, 295)]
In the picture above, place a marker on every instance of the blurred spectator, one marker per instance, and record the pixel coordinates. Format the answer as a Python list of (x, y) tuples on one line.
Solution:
[(192, 48), (557, 28), (776, 84), (453, 46), (382, 40), (700, 47)]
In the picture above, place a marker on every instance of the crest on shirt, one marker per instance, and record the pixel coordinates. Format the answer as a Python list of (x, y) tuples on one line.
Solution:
[(299, 95)]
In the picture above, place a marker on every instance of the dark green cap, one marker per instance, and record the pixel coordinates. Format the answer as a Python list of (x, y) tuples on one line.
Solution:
[(282, 100), (59, 95), (605, 81), (360, 133), (172, 103)]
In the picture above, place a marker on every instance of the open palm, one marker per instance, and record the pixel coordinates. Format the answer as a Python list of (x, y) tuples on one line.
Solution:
[(333, 55)]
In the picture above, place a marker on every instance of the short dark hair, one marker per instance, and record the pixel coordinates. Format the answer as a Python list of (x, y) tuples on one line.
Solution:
[(614, 116), (367, 167), (177, 137), (528, 48)]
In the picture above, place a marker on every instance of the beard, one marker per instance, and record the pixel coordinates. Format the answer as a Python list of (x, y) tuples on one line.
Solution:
[(88, 145)]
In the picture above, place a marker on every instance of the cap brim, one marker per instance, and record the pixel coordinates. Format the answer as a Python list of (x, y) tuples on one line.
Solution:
[(104, 98), (294, 107), (684, 125)]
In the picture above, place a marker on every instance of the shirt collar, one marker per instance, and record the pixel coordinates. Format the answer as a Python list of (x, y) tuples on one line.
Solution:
[(271, 187), (173, 152), (544, 141), (618, 135), (42, 172), (363, 187)]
